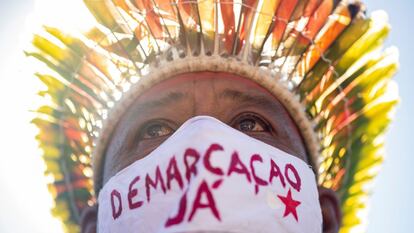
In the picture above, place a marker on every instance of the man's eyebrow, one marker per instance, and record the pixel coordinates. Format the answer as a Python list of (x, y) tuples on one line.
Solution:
[(245, 98), (163, 101)]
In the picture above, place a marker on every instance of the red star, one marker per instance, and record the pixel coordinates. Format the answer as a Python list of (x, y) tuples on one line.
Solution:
[(290, 205)]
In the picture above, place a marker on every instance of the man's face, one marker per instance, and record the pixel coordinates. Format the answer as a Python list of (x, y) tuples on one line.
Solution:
[(236, 101)]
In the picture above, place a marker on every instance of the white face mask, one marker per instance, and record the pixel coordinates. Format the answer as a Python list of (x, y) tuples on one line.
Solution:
[(209, 177)]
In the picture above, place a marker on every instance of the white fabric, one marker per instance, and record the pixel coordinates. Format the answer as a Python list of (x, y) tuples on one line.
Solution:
[(212, 178)]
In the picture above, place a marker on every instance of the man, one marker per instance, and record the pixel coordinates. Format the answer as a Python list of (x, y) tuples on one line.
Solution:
[(295, 75)]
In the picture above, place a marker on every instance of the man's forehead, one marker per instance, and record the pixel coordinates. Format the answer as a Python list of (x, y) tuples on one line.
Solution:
[(223, 87), (229, 94)]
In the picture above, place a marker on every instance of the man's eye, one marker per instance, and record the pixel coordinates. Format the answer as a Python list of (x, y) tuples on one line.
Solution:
[(251, 124), (155, 130)]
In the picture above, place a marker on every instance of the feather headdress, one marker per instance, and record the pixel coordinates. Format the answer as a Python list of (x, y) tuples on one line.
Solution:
[(323, 58)]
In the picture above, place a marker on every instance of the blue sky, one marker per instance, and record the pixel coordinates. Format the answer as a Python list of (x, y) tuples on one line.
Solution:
[(391, 203)]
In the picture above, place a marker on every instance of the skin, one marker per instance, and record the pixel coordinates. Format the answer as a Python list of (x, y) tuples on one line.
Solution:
[(236, 101)]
